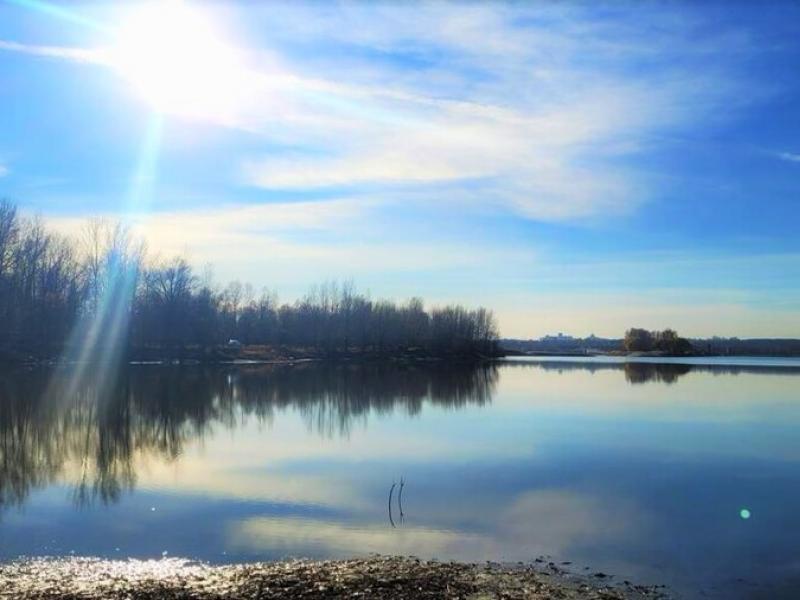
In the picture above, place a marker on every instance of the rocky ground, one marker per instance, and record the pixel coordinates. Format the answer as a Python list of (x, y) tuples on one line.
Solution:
[(377, 577)]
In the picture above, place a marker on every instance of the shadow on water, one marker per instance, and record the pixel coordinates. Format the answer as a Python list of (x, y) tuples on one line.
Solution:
[(49, 424)]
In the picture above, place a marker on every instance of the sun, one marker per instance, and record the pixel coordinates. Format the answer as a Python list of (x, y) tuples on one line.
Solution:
[(175, 60)]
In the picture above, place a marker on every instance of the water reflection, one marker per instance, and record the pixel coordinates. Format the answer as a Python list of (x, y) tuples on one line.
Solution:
[(638, 469), (635, 373), (49, 424), (650, 371)]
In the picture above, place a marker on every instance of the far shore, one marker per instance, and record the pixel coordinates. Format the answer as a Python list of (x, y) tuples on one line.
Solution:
[(378, 577), (283, 355)]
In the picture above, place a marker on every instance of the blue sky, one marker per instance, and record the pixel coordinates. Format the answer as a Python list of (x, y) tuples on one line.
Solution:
[(578, 167)]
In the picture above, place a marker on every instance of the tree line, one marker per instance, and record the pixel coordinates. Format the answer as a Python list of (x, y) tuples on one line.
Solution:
[(101, 288)]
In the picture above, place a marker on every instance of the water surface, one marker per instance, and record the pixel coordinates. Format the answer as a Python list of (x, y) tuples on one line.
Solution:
[(685, 474)]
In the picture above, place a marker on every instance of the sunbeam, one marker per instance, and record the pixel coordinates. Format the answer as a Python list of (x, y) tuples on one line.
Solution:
[(61, 13), (98, 342)]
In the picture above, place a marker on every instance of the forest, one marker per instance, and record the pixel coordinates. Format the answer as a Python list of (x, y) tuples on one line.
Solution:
[(101, 289)]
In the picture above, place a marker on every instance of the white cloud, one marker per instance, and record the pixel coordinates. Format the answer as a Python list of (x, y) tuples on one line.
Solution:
[(84, 55), (530, 161), (4, 170), (537, 104), (522, 108), (790, 156), (265, 243)]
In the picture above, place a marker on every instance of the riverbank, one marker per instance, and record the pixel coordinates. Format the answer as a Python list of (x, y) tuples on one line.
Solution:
[(252, 354), (377, 577)]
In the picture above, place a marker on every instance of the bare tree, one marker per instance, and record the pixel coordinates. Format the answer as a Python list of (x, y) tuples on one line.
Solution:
[(104, 288)]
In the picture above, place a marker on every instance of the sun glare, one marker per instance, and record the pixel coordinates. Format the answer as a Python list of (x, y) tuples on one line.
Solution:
[(172, 55)]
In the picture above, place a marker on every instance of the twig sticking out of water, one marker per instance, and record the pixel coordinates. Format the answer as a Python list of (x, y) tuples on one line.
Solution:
[(400, 499), (391, 491)]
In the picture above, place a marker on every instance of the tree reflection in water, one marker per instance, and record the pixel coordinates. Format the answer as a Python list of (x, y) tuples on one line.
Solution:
[(647, 372), (88, 432), (90, 435)]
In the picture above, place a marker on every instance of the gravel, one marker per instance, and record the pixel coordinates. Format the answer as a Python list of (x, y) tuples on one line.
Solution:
[(376, 577)]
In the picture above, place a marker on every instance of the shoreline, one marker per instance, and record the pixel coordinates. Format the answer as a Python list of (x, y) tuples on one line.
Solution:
[(260, 355), (380, 577), (288, 355), (454, 360)]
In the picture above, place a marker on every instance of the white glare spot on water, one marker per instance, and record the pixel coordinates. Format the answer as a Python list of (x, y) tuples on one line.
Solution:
[(744, 513), (152, 509)]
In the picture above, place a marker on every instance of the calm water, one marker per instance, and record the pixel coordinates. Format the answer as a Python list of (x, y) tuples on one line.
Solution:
[(637, 469)]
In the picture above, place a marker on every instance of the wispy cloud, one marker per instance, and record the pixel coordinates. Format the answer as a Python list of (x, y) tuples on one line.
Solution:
[(265, 243), (538, 105), (4, 170), (790, 156), (83, 55), (534, 110)]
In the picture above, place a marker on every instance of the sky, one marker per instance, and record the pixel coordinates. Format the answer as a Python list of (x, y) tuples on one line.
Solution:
[(577, 167)]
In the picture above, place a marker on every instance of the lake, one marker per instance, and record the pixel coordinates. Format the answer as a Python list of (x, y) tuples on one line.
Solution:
[(678, 472)]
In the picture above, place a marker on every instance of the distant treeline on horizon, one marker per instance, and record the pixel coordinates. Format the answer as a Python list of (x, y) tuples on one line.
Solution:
[(714, 346), (59, 294)]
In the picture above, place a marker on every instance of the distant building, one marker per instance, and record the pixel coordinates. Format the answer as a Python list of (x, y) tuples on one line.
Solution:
[(558, 338)]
